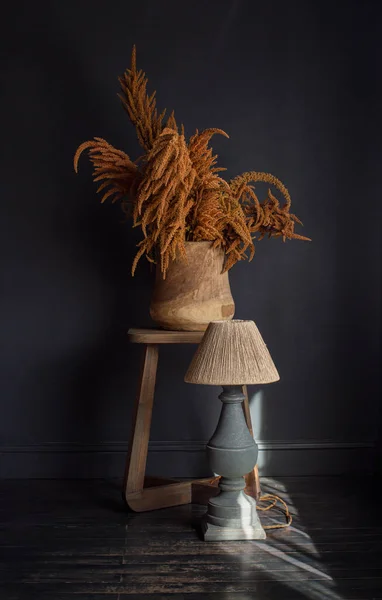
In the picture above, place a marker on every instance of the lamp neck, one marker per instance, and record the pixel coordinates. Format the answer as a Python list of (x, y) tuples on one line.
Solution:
[(232, 394)]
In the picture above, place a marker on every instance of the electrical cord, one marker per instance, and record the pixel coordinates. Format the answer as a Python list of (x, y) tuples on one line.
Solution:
[(273, 502)]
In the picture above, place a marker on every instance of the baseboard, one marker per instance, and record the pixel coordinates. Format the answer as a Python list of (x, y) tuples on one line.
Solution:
[(182, 459)]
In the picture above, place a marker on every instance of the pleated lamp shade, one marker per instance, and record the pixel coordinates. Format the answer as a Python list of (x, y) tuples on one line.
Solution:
[(232, 353)]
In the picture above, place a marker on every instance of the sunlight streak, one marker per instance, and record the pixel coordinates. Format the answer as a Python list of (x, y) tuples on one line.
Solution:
[(293, 561), (293, 558), (256, 409)]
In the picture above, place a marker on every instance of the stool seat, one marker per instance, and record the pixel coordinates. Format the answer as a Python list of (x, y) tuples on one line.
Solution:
[(143, 493), (163, 336)]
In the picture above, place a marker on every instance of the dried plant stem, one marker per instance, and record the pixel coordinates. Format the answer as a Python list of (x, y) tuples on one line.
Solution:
[(174, 193)]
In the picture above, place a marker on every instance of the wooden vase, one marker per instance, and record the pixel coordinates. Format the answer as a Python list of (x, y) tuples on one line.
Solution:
[(195, 292)]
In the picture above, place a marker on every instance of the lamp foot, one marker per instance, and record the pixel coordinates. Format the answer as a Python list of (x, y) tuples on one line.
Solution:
[(231, 516), (215, 533)]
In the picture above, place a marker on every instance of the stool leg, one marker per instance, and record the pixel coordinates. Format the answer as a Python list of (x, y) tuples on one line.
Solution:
[(251, 479), (139, 440)]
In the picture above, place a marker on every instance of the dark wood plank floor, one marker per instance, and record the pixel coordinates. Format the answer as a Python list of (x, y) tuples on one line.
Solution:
[(74, 539)]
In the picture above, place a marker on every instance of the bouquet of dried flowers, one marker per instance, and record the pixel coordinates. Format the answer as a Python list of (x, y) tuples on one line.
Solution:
[(174, 191)]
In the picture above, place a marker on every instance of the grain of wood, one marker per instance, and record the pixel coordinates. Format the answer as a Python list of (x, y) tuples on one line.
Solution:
[(153, 498), (75, 538), (195, 292), (138, 446), (162, 336)]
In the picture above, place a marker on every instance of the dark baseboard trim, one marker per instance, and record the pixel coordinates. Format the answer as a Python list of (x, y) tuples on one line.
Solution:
[(183, 459)]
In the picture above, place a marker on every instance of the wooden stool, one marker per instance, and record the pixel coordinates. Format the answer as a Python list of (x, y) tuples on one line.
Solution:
[(147, 493)]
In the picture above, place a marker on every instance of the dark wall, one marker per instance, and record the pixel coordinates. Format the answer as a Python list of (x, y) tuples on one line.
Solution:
[(296, 86)]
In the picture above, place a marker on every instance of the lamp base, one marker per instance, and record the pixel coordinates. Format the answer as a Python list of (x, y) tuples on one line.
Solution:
[(231, 516), (215, 533)]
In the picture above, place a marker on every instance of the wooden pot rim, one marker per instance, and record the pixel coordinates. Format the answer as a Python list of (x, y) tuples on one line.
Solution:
[(201, 242)]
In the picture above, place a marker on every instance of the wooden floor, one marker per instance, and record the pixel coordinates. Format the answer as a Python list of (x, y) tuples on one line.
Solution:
[(75, 540)]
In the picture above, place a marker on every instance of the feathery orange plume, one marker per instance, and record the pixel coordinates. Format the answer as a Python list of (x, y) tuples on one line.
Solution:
[(174, 192)]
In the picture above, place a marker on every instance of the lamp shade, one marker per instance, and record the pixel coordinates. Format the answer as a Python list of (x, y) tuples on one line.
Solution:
[(232, 353)]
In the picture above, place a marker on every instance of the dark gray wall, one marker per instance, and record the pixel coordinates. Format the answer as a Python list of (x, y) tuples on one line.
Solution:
[(296, 87)]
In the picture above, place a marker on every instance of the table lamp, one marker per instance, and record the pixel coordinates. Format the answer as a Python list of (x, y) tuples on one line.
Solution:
[(232, 354)]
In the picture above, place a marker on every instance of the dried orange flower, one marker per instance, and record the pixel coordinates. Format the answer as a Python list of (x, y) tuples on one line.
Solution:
[(174, 192)]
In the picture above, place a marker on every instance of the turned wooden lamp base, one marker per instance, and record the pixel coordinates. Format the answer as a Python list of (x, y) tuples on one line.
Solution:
[(143, 493)]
